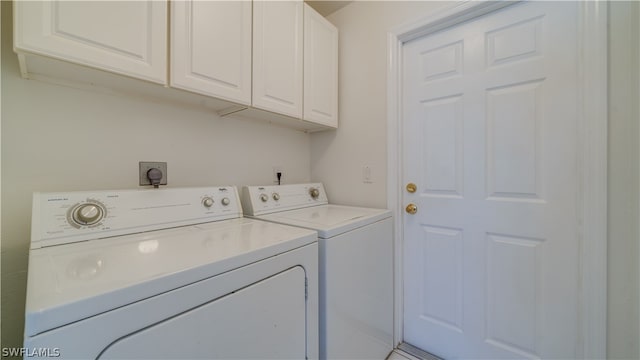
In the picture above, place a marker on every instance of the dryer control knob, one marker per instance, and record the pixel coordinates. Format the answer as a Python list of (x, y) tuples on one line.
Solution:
[(207, 202), (276, 196), (314, 193), (88, 214), (225, 201), (264, 197)]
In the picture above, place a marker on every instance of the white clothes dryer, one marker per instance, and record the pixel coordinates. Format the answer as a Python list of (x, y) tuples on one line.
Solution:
[(356, 265), (168, 273)]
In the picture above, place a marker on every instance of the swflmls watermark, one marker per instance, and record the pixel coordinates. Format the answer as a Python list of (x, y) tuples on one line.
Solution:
[(30, 352)]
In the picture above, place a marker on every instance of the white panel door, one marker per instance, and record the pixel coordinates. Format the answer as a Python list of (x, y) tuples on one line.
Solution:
[(320, 69), (490, 125), (211, 48), (277, 56), (266, 320), (125, 37)]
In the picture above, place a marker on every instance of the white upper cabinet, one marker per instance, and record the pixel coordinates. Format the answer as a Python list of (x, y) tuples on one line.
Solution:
[(211, 48), (264, 59), (277, 56), (125, 37), (320, 69)]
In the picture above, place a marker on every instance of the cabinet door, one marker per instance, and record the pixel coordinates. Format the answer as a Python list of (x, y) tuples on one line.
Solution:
[(277, 56), (211, 48), (126, 37), (320, 69)]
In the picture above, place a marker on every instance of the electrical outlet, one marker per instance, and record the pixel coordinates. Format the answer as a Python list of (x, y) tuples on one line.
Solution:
[(145, 166), (276, 170)]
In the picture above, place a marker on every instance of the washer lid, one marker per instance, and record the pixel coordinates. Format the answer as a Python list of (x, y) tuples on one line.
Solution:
[(71, 282), (329, 220)]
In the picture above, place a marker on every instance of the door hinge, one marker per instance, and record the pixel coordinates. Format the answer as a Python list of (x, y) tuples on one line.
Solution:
[(306, 288)]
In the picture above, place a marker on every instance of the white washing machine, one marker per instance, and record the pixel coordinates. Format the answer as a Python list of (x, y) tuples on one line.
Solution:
[(356, 265), (168, 273)]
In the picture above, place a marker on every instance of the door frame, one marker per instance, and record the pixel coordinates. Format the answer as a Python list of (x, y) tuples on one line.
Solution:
[(591, 188)]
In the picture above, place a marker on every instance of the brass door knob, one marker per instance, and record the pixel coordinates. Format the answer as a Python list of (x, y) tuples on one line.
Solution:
[(411, 187), (412, 209)]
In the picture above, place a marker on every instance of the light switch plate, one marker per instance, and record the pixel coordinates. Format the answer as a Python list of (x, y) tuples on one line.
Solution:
[(366, 174), (145, 166)]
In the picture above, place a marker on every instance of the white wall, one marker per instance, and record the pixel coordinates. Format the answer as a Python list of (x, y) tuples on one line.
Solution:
[(624, 189), (56, 138), (337, 157)]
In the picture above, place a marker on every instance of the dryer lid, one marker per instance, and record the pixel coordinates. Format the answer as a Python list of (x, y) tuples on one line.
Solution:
[(71, 282)]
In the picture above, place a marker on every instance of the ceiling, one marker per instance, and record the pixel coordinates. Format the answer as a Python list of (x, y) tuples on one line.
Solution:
[(327, 7)]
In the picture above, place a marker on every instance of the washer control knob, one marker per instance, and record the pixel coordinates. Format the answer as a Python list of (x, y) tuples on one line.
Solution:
[(225, 201), (207, 202), (276, 196), (88, 214), (314, 193), (264, 197)]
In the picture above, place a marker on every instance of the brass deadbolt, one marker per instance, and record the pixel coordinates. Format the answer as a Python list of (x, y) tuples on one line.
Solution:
[(411, 187)]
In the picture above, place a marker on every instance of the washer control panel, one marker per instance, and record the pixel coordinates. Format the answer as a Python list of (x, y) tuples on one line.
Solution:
[(59, 218), (260, 200)]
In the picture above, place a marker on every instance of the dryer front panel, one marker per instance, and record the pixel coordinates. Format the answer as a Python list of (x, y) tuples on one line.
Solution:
[(235, 326), (257, 311)]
